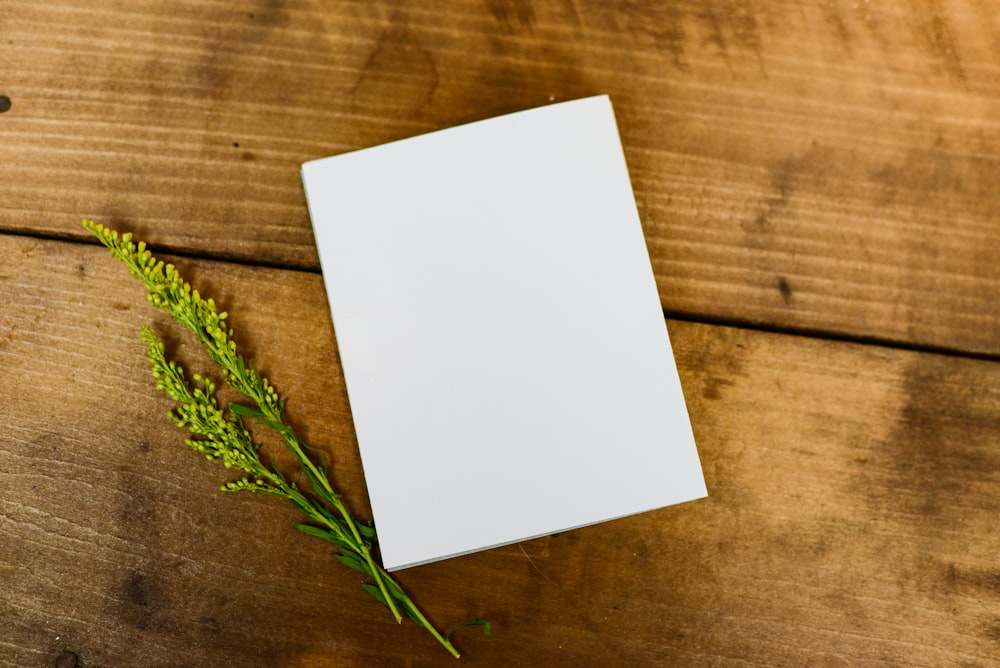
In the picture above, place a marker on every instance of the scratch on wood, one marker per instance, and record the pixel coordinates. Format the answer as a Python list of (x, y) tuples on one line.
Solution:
[(10, 336), (533, 565), (396, 48)]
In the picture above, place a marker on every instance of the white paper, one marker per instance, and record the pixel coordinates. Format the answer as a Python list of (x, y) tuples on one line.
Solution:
[(504, 347)]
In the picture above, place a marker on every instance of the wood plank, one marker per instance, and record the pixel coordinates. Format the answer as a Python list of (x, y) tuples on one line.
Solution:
[(816, 166), (820, 166), (854, 491)]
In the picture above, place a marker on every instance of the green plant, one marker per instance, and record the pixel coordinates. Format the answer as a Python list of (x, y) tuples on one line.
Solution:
[(219, 433)]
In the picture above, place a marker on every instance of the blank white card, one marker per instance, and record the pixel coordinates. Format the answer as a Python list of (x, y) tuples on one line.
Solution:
[(503, 343)]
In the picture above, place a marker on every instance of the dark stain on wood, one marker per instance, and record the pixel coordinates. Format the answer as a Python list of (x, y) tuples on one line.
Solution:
[(711, 366), (977, 584), (268, 15), (810, 169), (785, 289), (138, 589), (138, 513), (140, 600), (960, 174), (658, 24), (746, 30), (782, 183), (210, 624), (991, 630), (142, 609), (732, 27), (972, 581), (226, 43), (512, 14), (713, 386), (944, 443), (836, 24), (66, 660), (939, 41), (713, 23)]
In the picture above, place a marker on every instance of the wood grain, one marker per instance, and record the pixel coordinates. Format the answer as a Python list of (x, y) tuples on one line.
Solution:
[(826, 166), (854, 491)]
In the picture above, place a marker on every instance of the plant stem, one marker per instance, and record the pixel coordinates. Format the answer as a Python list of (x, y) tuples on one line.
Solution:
[(419, 617)]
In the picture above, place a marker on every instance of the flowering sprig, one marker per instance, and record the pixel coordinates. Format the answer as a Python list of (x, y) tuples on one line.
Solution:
[(220, 433)]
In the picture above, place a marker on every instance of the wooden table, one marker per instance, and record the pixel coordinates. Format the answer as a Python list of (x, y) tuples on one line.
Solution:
[(819, 184)]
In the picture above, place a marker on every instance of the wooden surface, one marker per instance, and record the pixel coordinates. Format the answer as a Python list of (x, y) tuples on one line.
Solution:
[(819, 185)]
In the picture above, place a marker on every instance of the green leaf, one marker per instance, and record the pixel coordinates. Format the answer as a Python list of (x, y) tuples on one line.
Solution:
[(306, 510), (245, 411), (278, 427), (376, 592), (314, 482), (353, 560), (410, 611), (398, 595), (323, 534), (366, 529), (314, 531), (403, 603), (323, 459), (487, 630)]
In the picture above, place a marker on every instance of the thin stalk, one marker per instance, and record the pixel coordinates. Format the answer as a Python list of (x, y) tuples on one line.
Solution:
[(420, 619), (325, 491)]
